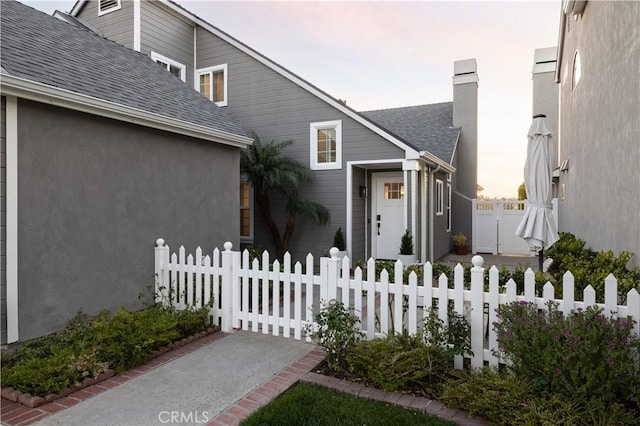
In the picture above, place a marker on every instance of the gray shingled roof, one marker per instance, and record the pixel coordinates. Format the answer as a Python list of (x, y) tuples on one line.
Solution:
[(44, 49), (424, 127)]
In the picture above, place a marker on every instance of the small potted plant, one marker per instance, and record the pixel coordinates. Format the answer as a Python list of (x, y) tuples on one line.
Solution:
[(340, 243), (461, 242), (407, 256)]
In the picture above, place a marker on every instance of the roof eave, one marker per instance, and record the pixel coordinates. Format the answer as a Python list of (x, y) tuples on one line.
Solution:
[(435, 161), (28, 89)]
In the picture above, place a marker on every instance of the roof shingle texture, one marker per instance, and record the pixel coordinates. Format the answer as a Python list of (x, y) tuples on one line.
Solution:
[(44, 49), (425, 127)]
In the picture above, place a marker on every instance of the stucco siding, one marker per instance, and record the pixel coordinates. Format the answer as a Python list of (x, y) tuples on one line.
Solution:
[(94, 194), (600, 128), (278, 109), (3, 221), (116, 25), (163, 32)]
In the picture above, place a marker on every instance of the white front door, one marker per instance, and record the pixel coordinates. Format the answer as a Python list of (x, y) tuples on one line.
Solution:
[(388, 214)]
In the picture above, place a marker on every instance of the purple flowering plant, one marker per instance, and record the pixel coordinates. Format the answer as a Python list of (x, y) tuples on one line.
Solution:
[(584, 355)]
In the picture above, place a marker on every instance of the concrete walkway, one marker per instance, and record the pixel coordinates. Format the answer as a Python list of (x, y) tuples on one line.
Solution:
[(194, 388), (217, 380)]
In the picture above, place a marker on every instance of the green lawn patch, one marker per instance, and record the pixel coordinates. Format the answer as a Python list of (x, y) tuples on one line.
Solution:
[(309, 405)]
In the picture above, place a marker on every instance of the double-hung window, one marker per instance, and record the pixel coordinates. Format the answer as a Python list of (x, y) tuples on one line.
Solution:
[(212, 83), (326, 145), (246, 218), (175, 68), (439, 197)]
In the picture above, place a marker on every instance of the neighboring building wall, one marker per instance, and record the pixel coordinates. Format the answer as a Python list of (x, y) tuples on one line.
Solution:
[(163, 32), (3, 221), (116, 25), (465, 116), (600, 128), (546, 95), (278, 109), (94, 195)]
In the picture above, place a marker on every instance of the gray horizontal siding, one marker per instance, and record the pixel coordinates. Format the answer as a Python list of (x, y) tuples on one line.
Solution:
[(163, 32), (116, 26), (276, 108)]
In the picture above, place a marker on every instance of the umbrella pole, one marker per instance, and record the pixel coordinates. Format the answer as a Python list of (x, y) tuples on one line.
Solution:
[(540, 259)]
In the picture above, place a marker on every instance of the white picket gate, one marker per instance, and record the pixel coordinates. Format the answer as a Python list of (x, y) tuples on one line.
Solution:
[(280, 300)]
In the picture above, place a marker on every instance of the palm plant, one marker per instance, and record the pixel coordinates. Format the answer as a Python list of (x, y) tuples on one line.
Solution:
[(267, 169)]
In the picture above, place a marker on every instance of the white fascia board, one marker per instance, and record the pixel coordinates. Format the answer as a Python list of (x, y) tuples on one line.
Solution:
[(35, 91), (292, 77)]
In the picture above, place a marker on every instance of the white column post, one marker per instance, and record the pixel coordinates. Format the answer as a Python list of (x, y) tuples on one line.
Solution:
[(332, 275), (11, 183), (227, 288), (477, 311), (161, 274)]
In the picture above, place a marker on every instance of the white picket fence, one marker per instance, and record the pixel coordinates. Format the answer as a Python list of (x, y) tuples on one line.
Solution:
[(279, 299)]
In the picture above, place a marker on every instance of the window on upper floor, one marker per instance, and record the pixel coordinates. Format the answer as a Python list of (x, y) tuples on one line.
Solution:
[(326, 145), (246, 216), (212, 83), (106, 6), (175, 68), (439, 197)]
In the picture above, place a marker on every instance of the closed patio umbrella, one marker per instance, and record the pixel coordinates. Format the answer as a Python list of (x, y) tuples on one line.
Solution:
[(538, 227)]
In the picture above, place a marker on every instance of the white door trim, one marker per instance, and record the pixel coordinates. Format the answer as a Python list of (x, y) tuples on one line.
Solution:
[(374, 204)]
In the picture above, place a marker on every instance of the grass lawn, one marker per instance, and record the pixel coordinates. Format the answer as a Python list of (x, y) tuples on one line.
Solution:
[(306, 404)]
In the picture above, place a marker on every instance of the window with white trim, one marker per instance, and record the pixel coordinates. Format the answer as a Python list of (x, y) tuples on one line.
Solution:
[(246, 216), (211, 82), (106, 6), (439, 197), (326, 145), (175, 68)]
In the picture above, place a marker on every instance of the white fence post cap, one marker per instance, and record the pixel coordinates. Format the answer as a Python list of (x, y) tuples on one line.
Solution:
[(477, 261), (228, 246), (334, 252), (160, 242)]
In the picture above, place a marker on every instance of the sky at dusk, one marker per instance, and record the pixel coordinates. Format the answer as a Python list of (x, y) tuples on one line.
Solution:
[(388, 54)]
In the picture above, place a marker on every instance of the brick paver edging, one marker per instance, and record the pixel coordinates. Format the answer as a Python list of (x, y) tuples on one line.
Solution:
[(301, 371), (14, 413)]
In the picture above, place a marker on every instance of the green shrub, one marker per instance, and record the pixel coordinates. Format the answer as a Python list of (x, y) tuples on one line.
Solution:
[(406, 243), (191, 321), (487, 393), (421, 362), (584, 355), (125, 339), (338, 240), (556, 409), (401, 362), (336, 330), (42, 375), (590, 267)]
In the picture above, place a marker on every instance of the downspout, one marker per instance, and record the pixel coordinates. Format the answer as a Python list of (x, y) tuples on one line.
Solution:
[(431, 212)]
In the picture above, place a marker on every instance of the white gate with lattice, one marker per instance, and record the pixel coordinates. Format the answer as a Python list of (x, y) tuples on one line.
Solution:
[(495, 223)]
